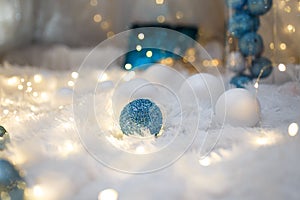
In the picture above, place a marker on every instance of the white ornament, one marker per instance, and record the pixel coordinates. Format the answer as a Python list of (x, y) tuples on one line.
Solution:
[(236, 62), (164, 76), (127, 91), (205, 87), (238, 107)]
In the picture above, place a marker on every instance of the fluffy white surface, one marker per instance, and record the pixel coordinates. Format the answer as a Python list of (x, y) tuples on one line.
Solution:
[(246, 163)]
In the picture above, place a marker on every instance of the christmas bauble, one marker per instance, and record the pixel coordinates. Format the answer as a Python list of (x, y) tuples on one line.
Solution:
[(238, 107), (206, 88), (9, 176), (236, 62), (236, 4), (251, 44), (259, 7), (165, 76), (142, 117), (2, 131), (259, 64), (239, 24), (256, 23), (240, 81)]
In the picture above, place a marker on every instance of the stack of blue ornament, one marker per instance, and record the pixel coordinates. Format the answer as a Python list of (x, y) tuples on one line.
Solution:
[(243, 25)]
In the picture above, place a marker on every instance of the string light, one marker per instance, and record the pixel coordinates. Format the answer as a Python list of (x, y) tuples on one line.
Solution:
[(282, 46), (103, 77), (149, 54), (281, 67), (74, 75), (104, 25), (5, 112), (71, 83), (97, 18), (12, 81), (37, 78), (290, 28), (38, 191), (108, 194), (138, 47), (141, 36), (293, 129), (110, 34), (20, 87), (179, 15), (140, 150), (29, 84), (128, 66), (159, 2), (205, 161), (160, 19)]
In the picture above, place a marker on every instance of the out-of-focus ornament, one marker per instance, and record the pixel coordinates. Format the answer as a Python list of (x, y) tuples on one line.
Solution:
[(240, 81), (259, 7), (259, 64), (239, 24), (236, 62), (238, 107), (4, 138), (206, 88), (236, 4), (12, 185), (141, 117), (251, 44), (165, 76)]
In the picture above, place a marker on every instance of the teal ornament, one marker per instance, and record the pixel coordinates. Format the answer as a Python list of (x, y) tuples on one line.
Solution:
[(236, 4), (239, 24), (240, 81), (4, 138), (259, 7), (259, 64), (10, 178), (140, 117), (251, 44)]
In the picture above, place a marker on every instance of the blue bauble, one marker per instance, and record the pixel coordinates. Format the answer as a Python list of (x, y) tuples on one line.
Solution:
[(239, 24), (236, 4), (259, 64), (240, 81), (255, 23), (251, 44), (2, 131), (141, 116), (8, 175), (259, 7)]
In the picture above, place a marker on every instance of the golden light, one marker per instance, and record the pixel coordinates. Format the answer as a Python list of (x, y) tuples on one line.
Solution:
[(5, 112), (71, 83), (141, 36), (35, 94), (140, 150), (159, 2), (108, 194), (149, 54), (287, 9), (104, 25), (29, 84), (293, 129), (37, 78), (256, 85), (103, 77), (205, 161), (138, 47), (45, 96), (160, 19), (38, 191), (261, 141), (74, 75), (97, 18), (128, 66), (110, 34), (282, 46), (272, 46), (93, 2), (281, 67), (290, 28), (20, 87), (179, 15), (13, 81), (29, 89)]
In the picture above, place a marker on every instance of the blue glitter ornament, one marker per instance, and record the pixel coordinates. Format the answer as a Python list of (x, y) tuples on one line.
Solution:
[(259, 7), (259, 64), (141, 116), (251, 44), (239, 24), (9, 176), (240, 81), (255, 23), (236, 4)]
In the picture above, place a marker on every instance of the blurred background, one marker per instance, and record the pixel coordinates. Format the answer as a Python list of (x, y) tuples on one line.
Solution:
[(85, 23)]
